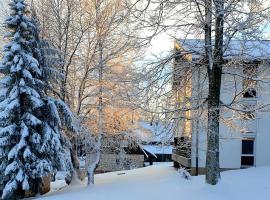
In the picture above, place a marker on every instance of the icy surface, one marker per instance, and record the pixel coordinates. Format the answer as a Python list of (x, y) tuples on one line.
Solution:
[(163, 182)]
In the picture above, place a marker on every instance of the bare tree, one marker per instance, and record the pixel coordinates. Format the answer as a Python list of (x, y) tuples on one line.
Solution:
[(112, 54)]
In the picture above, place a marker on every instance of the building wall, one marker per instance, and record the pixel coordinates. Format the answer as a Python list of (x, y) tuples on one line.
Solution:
[(262, 143), (230, 131), (230, 148), (262, 147), (113, 162), (201, 149)]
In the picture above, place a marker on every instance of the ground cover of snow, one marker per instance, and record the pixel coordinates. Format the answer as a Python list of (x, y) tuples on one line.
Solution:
[(163, 182)]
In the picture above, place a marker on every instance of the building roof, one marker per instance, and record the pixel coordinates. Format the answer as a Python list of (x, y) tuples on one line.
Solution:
[(157, 133), (248, 49), (158, 149)]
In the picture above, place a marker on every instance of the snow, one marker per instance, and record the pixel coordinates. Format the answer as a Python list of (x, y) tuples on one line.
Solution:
[(31, 119), (10, 186), (248, 49), (11, 168), (27, 74), (61, 175), (27, 153), (8, 129), (12, 105), (162, 182), (13, 153), (158, 149), (20, 176), (25, 183), (15, 47), (58, 185), (4, 141), (22, 143), (158, 132)]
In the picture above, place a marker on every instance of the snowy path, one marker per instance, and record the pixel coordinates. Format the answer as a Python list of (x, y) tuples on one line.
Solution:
[(162, 182)]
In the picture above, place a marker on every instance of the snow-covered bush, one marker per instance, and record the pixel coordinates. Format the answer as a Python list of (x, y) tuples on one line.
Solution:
[(184, 173)]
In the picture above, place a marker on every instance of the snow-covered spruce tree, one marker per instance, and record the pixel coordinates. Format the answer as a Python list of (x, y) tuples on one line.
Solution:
[(60, 116), (31, 143)]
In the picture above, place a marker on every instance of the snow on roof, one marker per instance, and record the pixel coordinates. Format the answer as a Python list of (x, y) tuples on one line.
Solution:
[(158, 132), (146, 153), (158, 149), (248, 49)]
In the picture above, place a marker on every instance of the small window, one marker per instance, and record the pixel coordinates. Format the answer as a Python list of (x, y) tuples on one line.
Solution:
[(250, 93), (247, 160), (248, 116), (250, 71), (247, 146)]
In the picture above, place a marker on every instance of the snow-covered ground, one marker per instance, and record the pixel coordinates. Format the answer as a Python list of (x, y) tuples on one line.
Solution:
[(163, 182)]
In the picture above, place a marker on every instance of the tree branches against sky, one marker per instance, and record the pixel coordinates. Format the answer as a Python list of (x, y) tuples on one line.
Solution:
[(3, 13)]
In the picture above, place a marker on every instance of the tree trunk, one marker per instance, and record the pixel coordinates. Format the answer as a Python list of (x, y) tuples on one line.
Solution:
[(91, 169), (99, 145), (214, 76), (212, 156), (75, 163)]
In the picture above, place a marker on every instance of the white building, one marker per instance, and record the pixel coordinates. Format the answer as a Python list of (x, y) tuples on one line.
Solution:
[(245, 118)]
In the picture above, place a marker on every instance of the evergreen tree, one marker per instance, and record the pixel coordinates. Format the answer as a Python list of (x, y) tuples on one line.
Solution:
[(31, 143), (59, 115)]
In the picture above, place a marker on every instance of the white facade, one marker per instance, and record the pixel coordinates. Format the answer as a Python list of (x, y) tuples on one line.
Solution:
[(237, 134), (231, 135)]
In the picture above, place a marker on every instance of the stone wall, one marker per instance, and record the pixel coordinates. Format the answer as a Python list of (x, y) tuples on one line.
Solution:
[(114, 162)]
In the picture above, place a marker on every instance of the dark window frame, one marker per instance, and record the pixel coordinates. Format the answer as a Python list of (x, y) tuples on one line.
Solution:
[(248, 152), (248, 146), (247, 160)]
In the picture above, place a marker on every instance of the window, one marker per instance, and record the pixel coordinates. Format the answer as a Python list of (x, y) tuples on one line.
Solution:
[(249, 83), (247, 158), (249, 124), (247, 146), (248, 115), (247, 161), (250, 93)]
